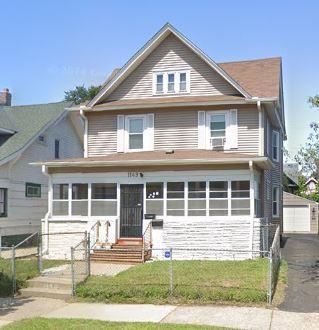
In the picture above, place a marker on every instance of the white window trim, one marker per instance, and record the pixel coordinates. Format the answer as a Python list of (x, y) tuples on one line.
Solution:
[(275, 137), (126, 133), (176, 82), (275, 215), (208, 116)]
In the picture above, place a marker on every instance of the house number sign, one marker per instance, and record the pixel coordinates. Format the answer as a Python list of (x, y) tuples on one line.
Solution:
[(133, 174)]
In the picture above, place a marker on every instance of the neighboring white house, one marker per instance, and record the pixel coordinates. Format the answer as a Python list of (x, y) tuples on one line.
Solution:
[(179, 149), (27, 134)]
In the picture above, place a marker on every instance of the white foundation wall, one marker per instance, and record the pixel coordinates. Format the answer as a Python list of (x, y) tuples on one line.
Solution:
[(193, 238)]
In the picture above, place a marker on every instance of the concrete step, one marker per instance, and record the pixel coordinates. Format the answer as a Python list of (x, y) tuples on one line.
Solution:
[(117, 261), (50, 283), (46, 293)]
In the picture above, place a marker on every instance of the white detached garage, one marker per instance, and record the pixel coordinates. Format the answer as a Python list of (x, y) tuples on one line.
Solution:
[(300, 215)]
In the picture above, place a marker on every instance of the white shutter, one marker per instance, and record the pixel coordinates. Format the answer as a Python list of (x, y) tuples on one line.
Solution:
[(201, 130), (149, 136), (120, 133), (232, 130)]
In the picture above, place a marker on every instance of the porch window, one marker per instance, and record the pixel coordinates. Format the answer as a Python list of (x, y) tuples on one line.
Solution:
[(80, 199), (60, 204), (175, 198), (197, 198), (240, 198), (103, 199), (257, 195), (3, 202), (154, 198), (218, 198)]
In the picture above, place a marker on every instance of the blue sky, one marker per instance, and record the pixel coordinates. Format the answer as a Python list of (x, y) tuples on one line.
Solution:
[(48, 47)]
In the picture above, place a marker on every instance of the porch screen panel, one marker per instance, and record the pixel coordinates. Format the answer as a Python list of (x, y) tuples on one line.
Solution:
[(154, 198), (80, 199), (175, 199), (218, 198), (60, 203), (240, 198), (104, 199), (197, 198)]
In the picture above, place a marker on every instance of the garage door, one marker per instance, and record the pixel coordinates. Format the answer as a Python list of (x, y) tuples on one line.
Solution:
[(296, 219)]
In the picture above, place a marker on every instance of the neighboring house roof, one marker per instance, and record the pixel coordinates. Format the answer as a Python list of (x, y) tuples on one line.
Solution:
[(312, 180), (134, 61), (260, 78), (27, 121), (6, 124), (178, 157)]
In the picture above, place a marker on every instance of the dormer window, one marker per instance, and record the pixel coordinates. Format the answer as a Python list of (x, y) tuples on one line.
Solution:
[(171, 82), (159, 83)]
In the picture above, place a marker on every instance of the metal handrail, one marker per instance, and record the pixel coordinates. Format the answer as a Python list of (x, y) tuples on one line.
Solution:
[(26, 239)]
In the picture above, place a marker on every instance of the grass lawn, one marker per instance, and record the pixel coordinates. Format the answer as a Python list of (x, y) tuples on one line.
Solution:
[(25, 269), (194, 282), (53, 324)]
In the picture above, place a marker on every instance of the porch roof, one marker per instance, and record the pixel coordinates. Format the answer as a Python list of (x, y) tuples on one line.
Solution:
[(163, 157)]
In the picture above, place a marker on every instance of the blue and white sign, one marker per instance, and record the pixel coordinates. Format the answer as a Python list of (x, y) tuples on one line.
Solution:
[(167, 254)]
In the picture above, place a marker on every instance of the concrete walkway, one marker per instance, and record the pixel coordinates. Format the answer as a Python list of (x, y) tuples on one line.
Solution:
[(235, 317)]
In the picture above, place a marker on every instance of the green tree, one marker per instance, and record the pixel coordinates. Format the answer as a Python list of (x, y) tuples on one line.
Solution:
[(81, 94)]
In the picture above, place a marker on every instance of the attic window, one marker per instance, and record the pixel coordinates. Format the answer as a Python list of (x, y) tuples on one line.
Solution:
[(176, 82), (42, 139)]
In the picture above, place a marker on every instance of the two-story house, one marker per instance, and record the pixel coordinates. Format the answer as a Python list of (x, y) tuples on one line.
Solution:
[(31, 133), (175, 140)]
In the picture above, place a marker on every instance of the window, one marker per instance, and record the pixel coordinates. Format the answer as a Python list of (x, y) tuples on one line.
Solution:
[(197, 198), (182, 82), (275, 146), (159, 83), (60, 204), (240, 198), (79, 199), (218, 198), (3, 202), (104, 199), (135, 133), (171, 82), (275, 201), (32, 190), (175, 198), (217, 130), (154, 198), (57, 149), (257, 196), (42, 139)]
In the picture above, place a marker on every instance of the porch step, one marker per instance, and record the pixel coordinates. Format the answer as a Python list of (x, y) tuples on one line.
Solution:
[(119, 256), (46, 293), (50, 283), (130, 241)]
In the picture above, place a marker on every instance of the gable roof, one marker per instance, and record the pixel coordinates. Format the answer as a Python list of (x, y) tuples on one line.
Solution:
[(260, 78), (134, 61), (27, 122)]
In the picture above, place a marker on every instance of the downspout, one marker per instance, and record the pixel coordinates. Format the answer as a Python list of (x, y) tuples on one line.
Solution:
[(48, 214), (261, 129), (85, 140), (252, 206)]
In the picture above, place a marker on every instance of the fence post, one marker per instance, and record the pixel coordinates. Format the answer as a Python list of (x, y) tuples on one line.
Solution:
[(270, 277), (40, 253), (88, 257), (72, 271), (13, 270), (171, 272)]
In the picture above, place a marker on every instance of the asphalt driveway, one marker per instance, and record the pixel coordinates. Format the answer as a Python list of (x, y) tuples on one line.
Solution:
[(302, 254)]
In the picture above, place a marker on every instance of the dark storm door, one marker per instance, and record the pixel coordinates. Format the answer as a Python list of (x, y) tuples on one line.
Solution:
[(131, 213)]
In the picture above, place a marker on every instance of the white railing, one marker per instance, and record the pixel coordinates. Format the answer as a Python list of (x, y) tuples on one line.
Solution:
[(94, 233), (147, 240)]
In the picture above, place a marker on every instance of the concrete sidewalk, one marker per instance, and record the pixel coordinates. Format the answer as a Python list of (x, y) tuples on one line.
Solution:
[(234, 317)]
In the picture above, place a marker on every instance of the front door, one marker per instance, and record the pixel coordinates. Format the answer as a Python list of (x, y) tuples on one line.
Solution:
[(131, 213)]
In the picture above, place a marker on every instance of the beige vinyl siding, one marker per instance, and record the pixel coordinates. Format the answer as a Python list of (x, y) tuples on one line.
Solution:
[(102, 135), (248, 131), (173, 55), (175, 130)]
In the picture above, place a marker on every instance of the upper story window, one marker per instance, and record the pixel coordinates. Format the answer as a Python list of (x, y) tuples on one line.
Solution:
[(57, 149), (171, 82), (32, 189), (217, 130), (42, 139), (275, 146), (135, 133)]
